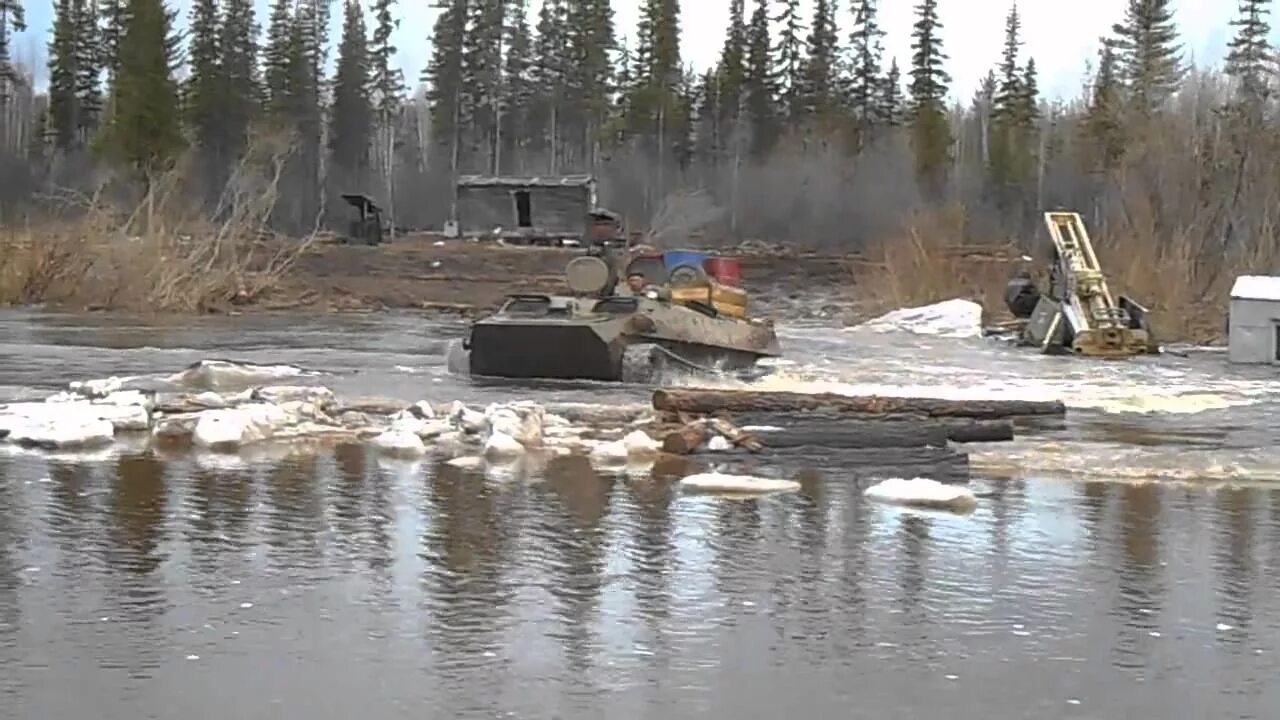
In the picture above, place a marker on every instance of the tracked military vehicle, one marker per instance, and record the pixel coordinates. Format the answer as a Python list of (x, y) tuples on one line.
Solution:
[(603, 328)]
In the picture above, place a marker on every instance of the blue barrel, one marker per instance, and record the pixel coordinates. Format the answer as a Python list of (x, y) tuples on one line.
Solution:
[(675, 258)]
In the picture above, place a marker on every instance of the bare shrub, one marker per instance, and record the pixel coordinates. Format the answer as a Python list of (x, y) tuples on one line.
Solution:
[(934, 259), (680, 216), (161, 256)]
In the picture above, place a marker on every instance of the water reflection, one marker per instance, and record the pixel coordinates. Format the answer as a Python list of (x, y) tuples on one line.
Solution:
[(575, 565), (574, 593), (1233, 557)]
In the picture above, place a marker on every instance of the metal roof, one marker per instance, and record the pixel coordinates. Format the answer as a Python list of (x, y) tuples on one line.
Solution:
[(525, 181), (1256, 287)]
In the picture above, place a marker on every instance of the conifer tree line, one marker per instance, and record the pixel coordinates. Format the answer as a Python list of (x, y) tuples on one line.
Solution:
[(804, 130)]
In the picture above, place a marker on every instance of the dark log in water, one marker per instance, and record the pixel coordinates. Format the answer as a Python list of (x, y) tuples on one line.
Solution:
[(867, 465), (736, 401), (824, 429)]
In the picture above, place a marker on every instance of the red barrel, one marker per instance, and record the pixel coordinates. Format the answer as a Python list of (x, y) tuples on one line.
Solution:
[(726, 270)]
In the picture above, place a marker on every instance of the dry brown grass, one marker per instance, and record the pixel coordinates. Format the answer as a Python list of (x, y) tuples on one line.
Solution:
[(156, 259), (1183, 281), (933, 261)]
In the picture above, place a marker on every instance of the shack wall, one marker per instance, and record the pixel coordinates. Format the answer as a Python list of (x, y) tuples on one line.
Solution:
[(552, 209), (1252, 330)]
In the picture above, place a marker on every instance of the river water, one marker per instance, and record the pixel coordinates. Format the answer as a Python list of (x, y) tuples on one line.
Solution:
[(1123, 563)]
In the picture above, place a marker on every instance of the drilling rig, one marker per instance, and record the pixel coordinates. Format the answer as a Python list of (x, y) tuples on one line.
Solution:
[(1078, 314)]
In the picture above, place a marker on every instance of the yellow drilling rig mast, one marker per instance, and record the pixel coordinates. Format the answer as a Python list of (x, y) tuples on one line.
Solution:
[(1078, 314)]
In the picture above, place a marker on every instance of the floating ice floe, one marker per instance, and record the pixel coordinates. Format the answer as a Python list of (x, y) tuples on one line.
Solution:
[(220, 374), (956, 318), (923, 492), (746, 484)]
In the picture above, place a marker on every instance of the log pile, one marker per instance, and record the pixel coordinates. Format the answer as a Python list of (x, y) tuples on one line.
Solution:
[(900, 436)]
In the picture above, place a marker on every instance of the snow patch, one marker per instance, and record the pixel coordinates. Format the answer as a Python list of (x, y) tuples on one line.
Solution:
[(956, 318)]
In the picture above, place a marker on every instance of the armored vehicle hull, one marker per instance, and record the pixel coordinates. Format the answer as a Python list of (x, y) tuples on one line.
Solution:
[(619, 338)]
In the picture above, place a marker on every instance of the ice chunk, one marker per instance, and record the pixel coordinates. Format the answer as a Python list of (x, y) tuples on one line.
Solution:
[(317, 395), (956, 318), (522, 421), (639, 444), (240, 425), (216, 374), (69, 431), (719, 444), (610, 453), (466, 419), (923, 492), (400, 442), (501, 445), (468, 462), (722, 482), (43, 418)]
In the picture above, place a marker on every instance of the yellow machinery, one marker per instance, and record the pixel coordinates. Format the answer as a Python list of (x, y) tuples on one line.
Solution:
[(726, 299), (1078, 313)]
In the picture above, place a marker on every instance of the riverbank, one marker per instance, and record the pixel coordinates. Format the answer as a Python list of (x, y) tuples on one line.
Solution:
[(70, 271), (431, 273)]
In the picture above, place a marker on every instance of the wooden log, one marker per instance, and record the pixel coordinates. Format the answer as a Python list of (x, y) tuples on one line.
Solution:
[(710, 401), (860, 435), (867, 465), (736, 435), (686, 439), (823, 425)]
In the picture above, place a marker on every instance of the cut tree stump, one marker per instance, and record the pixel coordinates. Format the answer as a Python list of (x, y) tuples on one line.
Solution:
[(738, 401)]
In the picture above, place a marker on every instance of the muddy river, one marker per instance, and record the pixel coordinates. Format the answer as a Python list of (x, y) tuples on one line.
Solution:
[(1123, 563)]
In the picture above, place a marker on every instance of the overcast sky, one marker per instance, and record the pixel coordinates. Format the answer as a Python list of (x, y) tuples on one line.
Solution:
[(1061, 36)]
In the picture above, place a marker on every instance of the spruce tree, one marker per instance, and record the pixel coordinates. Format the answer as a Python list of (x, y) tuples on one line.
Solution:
[(242, 97), (351, 115), (482, 83), (790, 57), (114, 15), (548, 73), (13, 18), (818, 90), (930, 129), (865, 86), (518, 89), (1250, 57), (1009, 138), (891, 107), (388, 87), (387, 80), (732, 65), (275, 60), (760, 82), (590, 41), (1149, 54), (1102, 124), (64, 119), (89, 67), (144, 130), (203, 89), (443, 77)]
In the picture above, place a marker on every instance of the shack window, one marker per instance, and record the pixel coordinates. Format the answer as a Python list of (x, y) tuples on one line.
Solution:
[(524, 209), (1275, 344)]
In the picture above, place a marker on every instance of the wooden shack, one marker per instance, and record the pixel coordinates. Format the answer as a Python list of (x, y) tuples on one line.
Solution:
[(539, 210)]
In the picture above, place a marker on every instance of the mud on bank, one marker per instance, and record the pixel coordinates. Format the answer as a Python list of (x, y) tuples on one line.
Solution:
[(456, 276)]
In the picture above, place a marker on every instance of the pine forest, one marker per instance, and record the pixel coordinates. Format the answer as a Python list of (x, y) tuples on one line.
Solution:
[(804, 132)]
